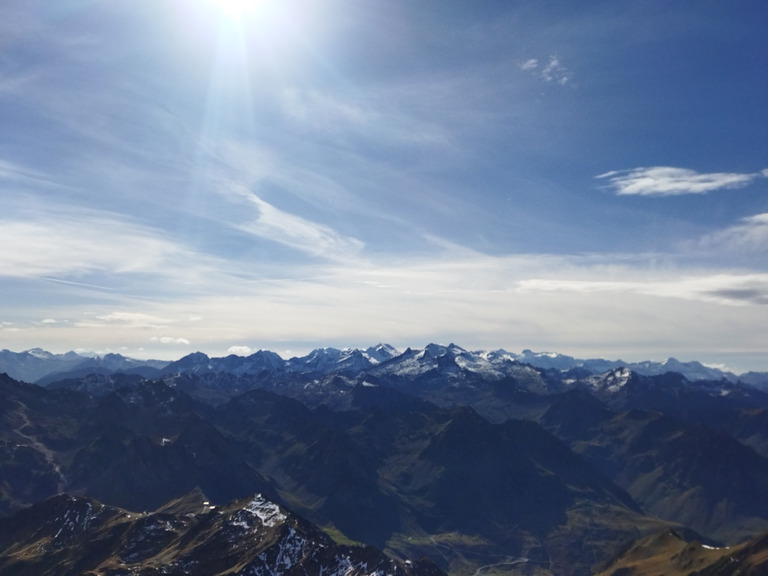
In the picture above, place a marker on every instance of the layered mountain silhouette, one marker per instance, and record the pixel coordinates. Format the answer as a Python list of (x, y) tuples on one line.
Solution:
[(479, 461)]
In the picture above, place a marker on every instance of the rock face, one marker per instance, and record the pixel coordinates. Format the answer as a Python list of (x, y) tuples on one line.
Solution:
[(67, 535)]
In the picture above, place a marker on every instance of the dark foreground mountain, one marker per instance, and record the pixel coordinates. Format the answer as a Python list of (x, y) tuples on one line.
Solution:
[(389, 469), (70, 536), (446, 483)]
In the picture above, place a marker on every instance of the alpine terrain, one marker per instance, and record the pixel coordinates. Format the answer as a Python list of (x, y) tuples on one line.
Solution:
[(379, 461)]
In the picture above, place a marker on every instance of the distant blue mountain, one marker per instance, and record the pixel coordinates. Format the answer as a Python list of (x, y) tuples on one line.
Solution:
[(42, 367)]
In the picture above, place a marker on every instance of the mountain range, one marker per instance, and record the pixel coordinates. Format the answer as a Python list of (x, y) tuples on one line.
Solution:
[(480, 461), (42, 367)]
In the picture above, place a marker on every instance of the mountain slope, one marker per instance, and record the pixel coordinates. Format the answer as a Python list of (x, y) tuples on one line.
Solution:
[(683, 472), (442, 481), (670, 553), (66, 535), (40, 366)]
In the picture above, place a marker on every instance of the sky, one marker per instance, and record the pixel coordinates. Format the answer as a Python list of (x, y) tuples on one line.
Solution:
[(585, 177)]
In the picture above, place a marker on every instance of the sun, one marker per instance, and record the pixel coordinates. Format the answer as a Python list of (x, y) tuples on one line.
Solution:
[(249, 37), (235, 9)]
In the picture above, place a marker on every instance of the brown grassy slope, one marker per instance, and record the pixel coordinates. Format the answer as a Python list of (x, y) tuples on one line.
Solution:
[(668, 553)]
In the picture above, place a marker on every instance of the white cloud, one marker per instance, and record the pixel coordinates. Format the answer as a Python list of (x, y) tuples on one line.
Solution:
[(9, 327), (240, 350), (552, 71), (248, 212), (135, 319), (77, 242), (303, 235), (594, 305), (170, 340), (130, 320), (751, 235), (729, 289), (669, 181), (555, 72)]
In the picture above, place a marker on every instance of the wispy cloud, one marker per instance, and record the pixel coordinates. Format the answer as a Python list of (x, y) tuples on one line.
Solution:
[(16, 174), (170, 340), (79, 245), (729, 289), (324, 112), (362, 116), (460, 295), (300, 234), (670, 181), (123, 320), (750, 235), (133, 319), (551, 71)]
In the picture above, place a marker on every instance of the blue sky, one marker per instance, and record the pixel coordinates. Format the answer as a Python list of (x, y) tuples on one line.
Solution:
[(586, 177)]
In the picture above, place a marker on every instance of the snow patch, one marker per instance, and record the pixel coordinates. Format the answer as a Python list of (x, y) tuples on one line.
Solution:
[(268, 512)]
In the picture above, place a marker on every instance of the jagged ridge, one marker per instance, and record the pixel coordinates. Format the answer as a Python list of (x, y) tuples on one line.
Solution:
[(67, 535)]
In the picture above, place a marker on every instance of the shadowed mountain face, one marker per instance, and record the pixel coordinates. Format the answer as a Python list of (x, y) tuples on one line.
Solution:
[(475, 460), (66, 535), (684, 472), (390, 470), (422, 470)]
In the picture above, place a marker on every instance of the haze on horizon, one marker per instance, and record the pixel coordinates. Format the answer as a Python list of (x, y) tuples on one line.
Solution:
[(589, 178)]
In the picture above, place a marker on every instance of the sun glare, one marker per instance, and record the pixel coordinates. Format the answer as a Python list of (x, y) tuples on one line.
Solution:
[(235, 8), (276, 25)]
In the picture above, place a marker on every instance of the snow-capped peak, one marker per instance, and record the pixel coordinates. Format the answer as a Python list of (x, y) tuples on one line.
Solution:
[(268, 512), (611, 381), (380, 353), (40, 353)]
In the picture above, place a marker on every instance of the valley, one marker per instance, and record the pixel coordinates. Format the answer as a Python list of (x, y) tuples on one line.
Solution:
[(455, 461)]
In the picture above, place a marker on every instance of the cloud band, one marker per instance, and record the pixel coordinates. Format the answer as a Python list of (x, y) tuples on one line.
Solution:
[(669, 181)]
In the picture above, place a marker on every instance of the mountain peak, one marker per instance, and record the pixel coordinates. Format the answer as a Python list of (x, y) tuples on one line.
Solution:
[(39, 353), (253, 536), (381, 353)]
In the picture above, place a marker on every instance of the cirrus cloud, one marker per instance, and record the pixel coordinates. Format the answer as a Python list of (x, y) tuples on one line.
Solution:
[(670, 181), (61, 242), (300, 234), (749, 235), (727, 289)]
